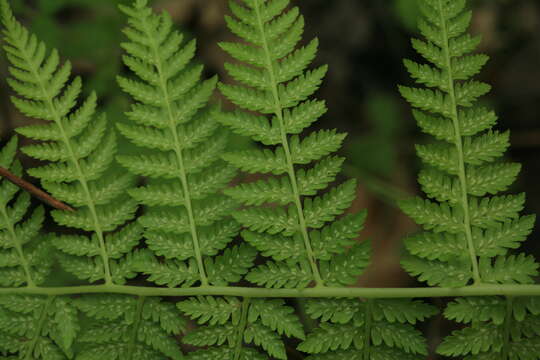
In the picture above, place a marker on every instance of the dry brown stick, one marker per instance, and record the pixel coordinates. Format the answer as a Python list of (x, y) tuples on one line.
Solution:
[(40, 194)]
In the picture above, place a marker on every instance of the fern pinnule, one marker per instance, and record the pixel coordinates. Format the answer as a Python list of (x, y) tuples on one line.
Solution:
[(128, 327), (186, 218), (79, 150), (275, 85), (468, 231)]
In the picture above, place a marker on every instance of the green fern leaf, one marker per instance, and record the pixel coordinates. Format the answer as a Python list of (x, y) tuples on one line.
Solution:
[(465, 310), (211, 335), (454, 273), (274, 82), (171, 273), (472, 341), (518, 269), (172, 116), (278, 247), (231, 265), (280, 274), (277, 316), (345, 268), (211, 310), (336, 237), (469, 229), (261, 335), (339, 311), (402, 310), (79, 155), (332, 337)]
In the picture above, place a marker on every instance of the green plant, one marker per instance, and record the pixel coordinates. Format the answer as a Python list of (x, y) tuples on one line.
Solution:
[(294, 240)]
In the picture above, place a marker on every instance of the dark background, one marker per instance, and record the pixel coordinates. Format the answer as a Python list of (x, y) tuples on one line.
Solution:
[(364, 42)]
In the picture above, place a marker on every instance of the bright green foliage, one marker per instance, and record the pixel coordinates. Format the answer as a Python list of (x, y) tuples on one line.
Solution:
[(300, 234), (79, 149), (24, 258), (38, 327), (233, 323), (506, 328), (126, 327), (292, 216), (373, 329), (469, 229), (186, 220)]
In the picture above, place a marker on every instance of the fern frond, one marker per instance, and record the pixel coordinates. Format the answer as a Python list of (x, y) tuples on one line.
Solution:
[(233, 324), (373, 329), (274, 82), (465, 229), (185, 218), (124, 327), (78, 148)]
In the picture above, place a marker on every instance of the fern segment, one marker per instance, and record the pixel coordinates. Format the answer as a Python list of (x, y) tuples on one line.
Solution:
[(274, 82), (185, 219), (79, 150), (465, 229)]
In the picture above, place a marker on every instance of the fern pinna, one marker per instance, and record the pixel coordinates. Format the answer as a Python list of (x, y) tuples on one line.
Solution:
[(80, 150), (186, 218), (299, 234), (468, 233)]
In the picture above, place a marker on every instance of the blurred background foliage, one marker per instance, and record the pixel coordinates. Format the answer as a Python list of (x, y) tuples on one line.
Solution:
[(364, 42)]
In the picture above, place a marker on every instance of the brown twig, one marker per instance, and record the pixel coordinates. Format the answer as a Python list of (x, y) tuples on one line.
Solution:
[(40, 194)]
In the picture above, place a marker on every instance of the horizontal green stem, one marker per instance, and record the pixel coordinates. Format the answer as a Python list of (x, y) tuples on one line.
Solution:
[(326, 292)]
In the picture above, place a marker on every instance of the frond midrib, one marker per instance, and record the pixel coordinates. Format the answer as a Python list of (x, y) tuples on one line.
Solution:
[(285, 142), (179, 157), (458, 142)]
